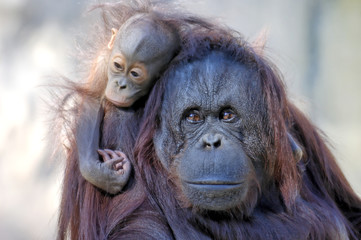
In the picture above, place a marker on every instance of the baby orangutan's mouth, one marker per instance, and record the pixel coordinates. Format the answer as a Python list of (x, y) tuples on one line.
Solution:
[(125, 102)]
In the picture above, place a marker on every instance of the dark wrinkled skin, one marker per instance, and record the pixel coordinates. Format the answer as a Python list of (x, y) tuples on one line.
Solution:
[(210, 127), (213, 141), (212, 153), (139, 51)]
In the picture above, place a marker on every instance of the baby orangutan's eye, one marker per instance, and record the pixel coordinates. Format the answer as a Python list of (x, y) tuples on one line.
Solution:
[(134, 74), (118, 66), (137, 74)]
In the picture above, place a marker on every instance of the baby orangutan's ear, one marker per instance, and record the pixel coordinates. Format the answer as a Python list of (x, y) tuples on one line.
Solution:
[(260, 42), (112, 39)]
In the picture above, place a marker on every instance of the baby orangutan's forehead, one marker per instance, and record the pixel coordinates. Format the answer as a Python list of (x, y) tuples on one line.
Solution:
[(142, 40)]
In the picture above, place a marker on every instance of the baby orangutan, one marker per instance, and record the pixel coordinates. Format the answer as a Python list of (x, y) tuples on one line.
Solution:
[(140, 50)]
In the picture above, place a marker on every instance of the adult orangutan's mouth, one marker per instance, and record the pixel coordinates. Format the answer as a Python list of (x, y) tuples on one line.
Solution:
[(214, 185)]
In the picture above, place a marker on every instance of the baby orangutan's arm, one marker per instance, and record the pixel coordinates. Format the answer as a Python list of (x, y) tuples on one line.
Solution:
[(112, 172)]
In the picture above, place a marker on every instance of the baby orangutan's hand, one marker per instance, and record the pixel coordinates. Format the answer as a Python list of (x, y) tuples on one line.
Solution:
[(116, 160), (119, 168)]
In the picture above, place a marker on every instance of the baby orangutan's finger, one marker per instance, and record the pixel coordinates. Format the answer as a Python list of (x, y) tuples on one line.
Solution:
[(104, 154), (111, 153), (119, 165), (112, 163), (127, 166), (120, 153)]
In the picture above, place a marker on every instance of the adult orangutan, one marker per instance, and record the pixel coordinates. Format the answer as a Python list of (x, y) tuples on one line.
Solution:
[(218, 157)]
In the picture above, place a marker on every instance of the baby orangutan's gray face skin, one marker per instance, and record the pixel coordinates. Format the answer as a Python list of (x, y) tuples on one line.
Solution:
[(140, 50)]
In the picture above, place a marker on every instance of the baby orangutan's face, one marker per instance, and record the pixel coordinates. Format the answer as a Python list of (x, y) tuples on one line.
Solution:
[(140, 50)]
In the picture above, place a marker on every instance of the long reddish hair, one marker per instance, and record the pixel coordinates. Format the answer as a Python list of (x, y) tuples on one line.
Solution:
[(316, 178), (308, 189)]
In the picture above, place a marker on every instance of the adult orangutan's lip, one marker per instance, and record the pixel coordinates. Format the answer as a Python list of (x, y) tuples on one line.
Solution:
[(214, 184)]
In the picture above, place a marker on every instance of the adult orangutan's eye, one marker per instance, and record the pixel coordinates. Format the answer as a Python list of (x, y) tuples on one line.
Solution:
[(194, 117), (227, 115)]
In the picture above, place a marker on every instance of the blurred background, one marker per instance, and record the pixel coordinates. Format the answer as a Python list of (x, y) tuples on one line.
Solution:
[(315, 43)]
